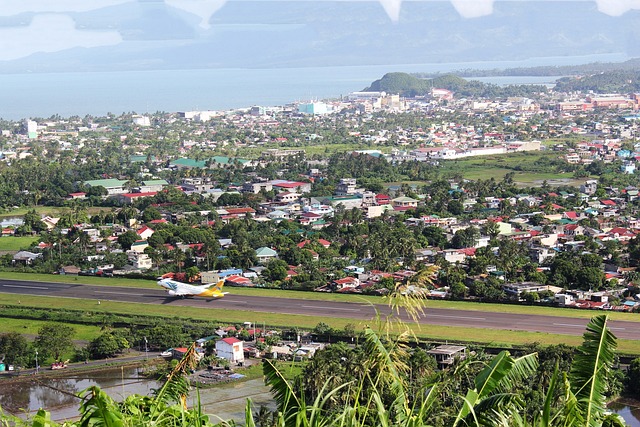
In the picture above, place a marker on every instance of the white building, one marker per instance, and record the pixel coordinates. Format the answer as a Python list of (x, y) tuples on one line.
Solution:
[(141, 121), (230, 349)]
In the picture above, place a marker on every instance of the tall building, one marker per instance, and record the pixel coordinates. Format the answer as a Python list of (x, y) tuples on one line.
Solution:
[(32, 129)]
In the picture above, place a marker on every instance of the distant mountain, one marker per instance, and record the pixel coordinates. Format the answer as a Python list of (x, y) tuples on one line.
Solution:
[(271, 34)]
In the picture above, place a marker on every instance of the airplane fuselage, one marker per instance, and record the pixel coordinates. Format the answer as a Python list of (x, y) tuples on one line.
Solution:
[(179, 289)]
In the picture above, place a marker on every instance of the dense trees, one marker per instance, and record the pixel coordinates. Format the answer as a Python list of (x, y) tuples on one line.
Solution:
[(108, 344), (53, 340), (14, 349)]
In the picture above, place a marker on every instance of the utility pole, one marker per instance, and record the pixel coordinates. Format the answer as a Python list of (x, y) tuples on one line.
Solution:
[(37, 366), (146, 349)]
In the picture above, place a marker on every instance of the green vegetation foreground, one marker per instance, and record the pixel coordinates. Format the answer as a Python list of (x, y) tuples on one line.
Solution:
[(380, 394), (388, 385)]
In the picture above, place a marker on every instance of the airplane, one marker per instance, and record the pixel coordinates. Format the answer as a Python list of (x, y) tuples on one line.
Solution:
[(183, 290)]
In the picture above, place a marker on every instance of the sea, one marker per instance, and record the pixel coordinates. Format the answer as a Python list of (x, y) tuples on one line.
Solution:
[(42, 95)]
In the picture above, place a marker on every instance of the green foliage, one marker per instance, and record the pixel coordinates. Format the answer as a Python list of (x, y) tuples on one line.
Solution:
[(633, 378), (15, 349), (592, 363), (53, 340), (409, 85), (615, 81), (127, 239), (108, 344)]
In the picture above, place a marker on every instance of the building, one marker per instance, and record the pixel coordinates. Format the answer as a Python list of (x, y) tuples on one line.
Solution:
[(113, 186), (348, 187), (230, 349), (447, 354), (404, 202), (141, 120), (314, 108), (265, 255), (32, 129)]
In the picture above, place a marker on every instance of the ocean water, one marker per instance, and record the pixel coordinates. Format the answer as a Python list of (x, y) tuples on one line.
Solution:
[(41, 95)]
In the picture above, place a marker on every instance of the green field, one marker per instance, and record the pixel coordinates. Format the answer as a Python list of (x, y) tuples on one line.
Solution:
[(529, 168), (425, 331), (11, 243), (47, 210), (31, 327)]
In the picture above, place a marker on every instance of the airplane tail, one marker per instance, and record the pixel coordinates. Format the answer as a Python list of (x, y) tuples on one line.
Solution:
[(217, 285)]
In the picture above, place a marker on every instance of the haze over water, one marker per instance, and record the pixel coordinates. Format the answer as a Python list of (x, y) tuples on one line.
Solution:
[(97, 93)]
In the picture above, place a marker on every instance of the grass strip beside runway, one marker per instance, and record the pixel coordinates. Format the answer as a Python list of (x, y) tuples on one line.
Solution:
[(430, 332), (323, 296)]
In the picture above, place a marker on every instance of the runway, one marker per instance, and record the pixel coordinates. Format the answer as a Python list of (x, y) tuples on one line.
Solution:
[(350, 310)]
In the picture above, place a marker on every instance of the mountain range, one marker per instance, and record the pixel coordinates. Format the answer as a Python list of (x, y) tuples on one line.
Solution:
[(273, 34)]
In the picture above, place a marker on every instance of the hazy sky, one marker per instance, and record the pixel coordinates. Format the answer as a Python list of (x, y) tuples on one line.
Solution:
[(48, 26)]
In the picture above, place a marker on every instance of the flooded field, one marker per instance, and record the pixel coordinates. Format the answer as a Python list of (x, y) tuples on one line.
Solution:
[(627, 409), (58, 395)]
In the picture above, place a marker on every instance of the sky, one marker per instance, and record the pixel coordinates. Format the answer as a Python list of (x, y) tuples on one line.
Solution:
[(29, 27)]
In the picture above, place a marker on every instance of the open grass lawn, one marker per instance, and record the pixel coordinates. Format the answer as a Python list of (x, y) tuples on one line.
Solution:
[(430, 332), (31, 327), (11, 243), (48, 210), (529, 165)]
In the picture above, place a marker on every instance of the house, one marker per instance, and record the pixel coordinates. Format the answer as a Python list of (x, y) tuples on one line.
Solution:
[(287, 197), (265, 255), (278, 215), (383, 199), (230, 349), (236, 280), (346, 283), (142, 262), (26, 257), (589, 187), (404, 202), (322, 242), (446, 355), (70, 270), (145, 232), (139, 246), (50, 222), (299, 187), (453, 256)]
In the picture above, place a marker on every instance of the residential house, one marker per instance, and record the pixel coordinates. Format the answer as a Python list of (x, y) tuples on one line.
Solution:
[(346, 283), (404, 202), (139, 246), (25, 257), (265, 255), (446, 355), (145, 232), (230, 349)]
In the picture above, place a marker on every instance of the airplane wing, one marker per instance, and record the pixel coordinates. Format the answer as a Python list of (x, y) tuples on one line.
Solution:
[(180, 292)]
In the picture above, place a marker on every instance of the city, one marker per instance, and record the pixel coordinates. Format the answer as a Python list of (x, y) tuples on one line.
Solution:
[(425, 213)]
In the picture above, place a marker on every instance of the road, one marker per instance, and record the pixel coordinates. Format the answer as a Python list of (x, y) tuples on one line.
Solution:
[(351, 310)]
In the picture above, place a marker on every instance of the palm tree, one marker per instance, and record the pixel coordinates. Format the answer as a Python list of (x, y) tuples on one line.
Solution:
[(178, 257)]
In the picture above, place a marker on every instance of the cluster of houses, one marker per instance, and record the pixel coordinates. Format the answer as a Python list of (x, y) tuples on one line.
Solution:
[(608, 220)]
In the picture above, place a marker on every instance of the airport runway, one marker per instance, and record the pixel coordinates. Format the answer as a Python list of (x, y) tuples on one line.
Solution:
[(354, 310)]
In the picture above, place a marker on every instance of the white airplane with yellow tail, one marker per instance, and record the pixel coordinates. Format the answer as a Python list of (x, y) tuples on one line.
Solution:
[(183, 290)]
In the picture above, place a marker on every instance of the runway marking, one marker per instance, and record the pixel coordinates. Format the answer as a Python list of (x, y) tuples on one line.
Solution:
[(118, 293), (25, 287), (331, 308), (454, 317), (569, 325)]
